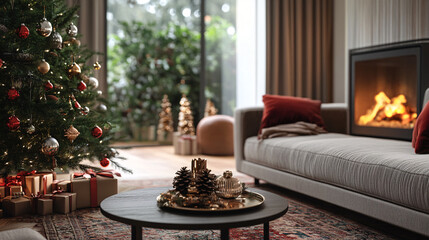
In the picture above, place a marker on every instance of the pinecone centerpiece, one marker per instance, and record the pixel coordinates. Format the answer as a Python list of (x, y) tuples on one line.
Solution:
[(205, 183), (182, 181)]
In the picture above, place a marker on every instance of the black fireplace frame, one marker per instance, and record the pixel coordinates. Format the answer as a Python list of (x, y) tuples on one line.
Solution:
[(418, 47)]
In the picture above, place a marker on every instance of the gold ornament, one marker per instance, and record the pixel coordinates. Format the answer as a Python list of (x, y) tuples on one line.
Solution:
[(43, 67), (74, 69), (75, 41), (71, 133), (97, 66)]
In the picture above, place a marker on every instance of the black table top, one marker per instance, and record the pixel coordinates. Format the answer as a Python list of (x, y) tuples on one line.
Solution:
[(139, 208)]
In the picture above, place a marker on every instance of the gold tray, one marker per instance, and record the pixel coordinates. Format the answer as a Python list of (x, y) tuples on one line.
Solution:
[(245, 201)]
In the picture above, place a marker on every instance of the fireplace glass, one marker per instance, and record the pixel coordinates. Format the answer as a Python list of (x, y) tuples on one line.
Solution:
[(385, 92)]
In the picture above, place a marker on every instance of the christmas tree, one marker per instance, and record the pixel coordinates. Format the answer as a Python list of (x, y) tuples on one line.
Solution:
[(51, 112), (210, 109), (186, 120), (165, 125)]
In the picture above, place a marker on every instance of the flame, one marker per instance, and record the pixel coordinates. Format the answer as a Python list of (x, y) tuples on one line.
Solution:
[(387, 109)]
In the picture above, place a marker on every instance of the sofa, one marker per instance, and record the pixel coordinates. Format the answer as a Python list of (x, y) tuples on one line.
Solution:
[(380, 178)]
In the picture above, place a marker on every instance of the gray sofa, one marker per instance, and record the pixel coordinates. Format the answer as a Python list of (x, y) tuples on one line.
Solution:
[(380, 178)]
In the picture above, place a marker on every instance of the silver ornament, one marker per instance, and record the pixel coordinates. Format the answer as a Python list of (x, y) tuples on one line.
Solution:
[(56, 40), (72, 30), (50, 146), (45, 28), (102, 108), (93, 82), (31, 129)]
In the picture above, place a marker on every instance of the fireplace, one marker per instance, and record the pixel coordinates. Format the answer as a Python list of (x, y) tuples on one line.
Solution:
[(387, 85)]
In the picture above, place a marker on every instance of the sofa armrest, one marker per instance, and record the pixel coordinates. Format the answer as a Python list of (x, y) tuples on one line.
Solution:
[(246, 124), (335, 117)]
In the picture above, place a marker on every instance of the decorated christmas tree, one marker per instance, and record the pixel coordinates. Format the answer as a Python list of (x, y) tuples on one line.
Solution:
[(165, 125), (51, 112), (210, 109), (186, 120)]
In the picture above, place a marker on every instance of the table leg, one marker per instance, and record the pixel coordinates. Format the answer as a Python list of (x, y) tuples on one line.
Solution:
[(224, 234), (266, 230), (136, 233)]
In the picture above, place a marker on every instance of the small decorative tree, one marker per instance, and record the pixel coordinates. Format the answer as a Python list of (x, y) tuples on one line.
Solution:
[(210, 109), (186, 120), (165, 125)]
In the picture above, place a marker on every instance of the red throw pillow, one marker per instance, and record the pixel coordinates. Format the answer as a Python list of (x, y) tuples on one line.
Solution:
[(421, 132), (286, 109)]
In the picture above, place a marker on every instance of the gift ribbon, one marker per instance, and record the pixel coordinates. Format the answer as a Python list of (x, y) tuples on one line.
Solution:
[(45, 183)]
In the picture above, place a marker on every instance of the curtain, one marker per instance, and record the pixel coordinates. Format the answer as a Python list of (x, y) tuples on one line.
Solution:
[(300, 48), (92, 26)]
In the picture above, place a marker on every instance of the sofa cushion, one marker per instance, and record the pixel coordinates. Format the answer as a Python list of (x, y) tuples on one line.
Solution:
[(286, 109), (386, 169), (421, 132), (21, 234)]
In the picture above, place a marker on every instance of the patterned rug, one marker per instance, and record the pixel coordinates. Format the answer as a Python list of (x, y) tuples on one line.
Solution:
[(300, 222)]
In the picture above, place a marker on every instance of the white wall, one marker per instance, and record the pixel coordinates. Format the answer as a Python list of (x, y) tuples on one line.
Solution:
[(251, 52)]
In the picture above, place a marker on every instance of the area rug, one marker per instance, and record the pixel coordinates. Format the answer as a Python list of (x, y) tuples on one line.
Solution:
[(301, 222)]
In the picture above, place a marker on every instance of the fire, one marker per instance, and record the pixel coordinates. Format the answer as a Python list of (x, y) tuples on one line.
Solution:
[(387, 110)]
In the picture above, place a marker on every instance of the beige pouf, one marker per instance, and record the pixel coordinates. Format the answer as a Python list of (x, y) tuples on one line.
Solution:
[(215, 135)]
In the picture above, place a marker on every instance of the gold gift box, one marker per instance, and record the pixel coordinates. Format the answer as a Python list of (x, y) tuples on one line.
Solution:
[(64, 202), (16, 206), (32, 184), (106, 187), (44, 206)]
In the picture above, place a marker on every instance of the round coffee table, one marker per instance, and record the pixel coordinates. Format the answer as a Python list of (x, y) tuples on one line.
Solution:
[(139, 209)]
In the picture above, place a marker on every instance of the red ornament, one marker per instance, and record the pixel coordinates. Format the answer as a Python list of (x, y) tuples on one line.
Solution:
[(81, 86), (1, 63), (97, 132), (13, 123), (77, 105), (105, 162), (23, 31), (48, 86), (13, 94)]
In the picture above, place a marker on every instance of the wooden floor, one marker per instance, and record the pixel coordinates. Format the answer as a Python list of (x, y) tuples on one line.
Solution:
[(157, 165)]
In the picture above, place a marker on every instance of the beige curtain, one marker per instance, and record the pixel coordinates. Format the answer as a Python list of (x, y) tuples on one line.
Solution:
[(299, 48), (92, 26)]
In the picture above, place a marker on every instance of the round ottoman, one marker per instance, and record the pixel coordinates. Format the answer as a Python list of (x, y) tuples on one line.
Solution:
[(215, 135)]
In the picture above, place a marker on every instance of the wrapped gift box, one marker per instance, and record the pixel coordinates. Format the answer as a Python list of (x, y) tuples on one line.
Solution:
[(186, 145), (16, 206), (32, 185), (1, 213), (46, 180), (13, 189), (64, 185), (65, 202), (44, 206), (2, 192), (88, 196)]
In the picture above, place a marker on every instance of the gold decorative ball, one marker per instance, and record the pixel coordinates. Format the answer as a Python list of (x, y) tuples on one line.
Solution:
[(74, 69), (75, 41), (97, 66), (43, 67)]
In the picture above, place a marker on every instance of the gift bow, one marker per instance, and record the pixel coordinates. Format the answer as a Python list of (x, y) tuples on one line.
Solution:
[(22, 174), (13, 181), (89, 173)]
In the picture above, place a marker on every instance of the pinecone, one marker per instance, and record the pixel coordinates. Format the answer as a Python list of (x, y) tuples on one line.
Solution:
[(182, 180), (205, 182)]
